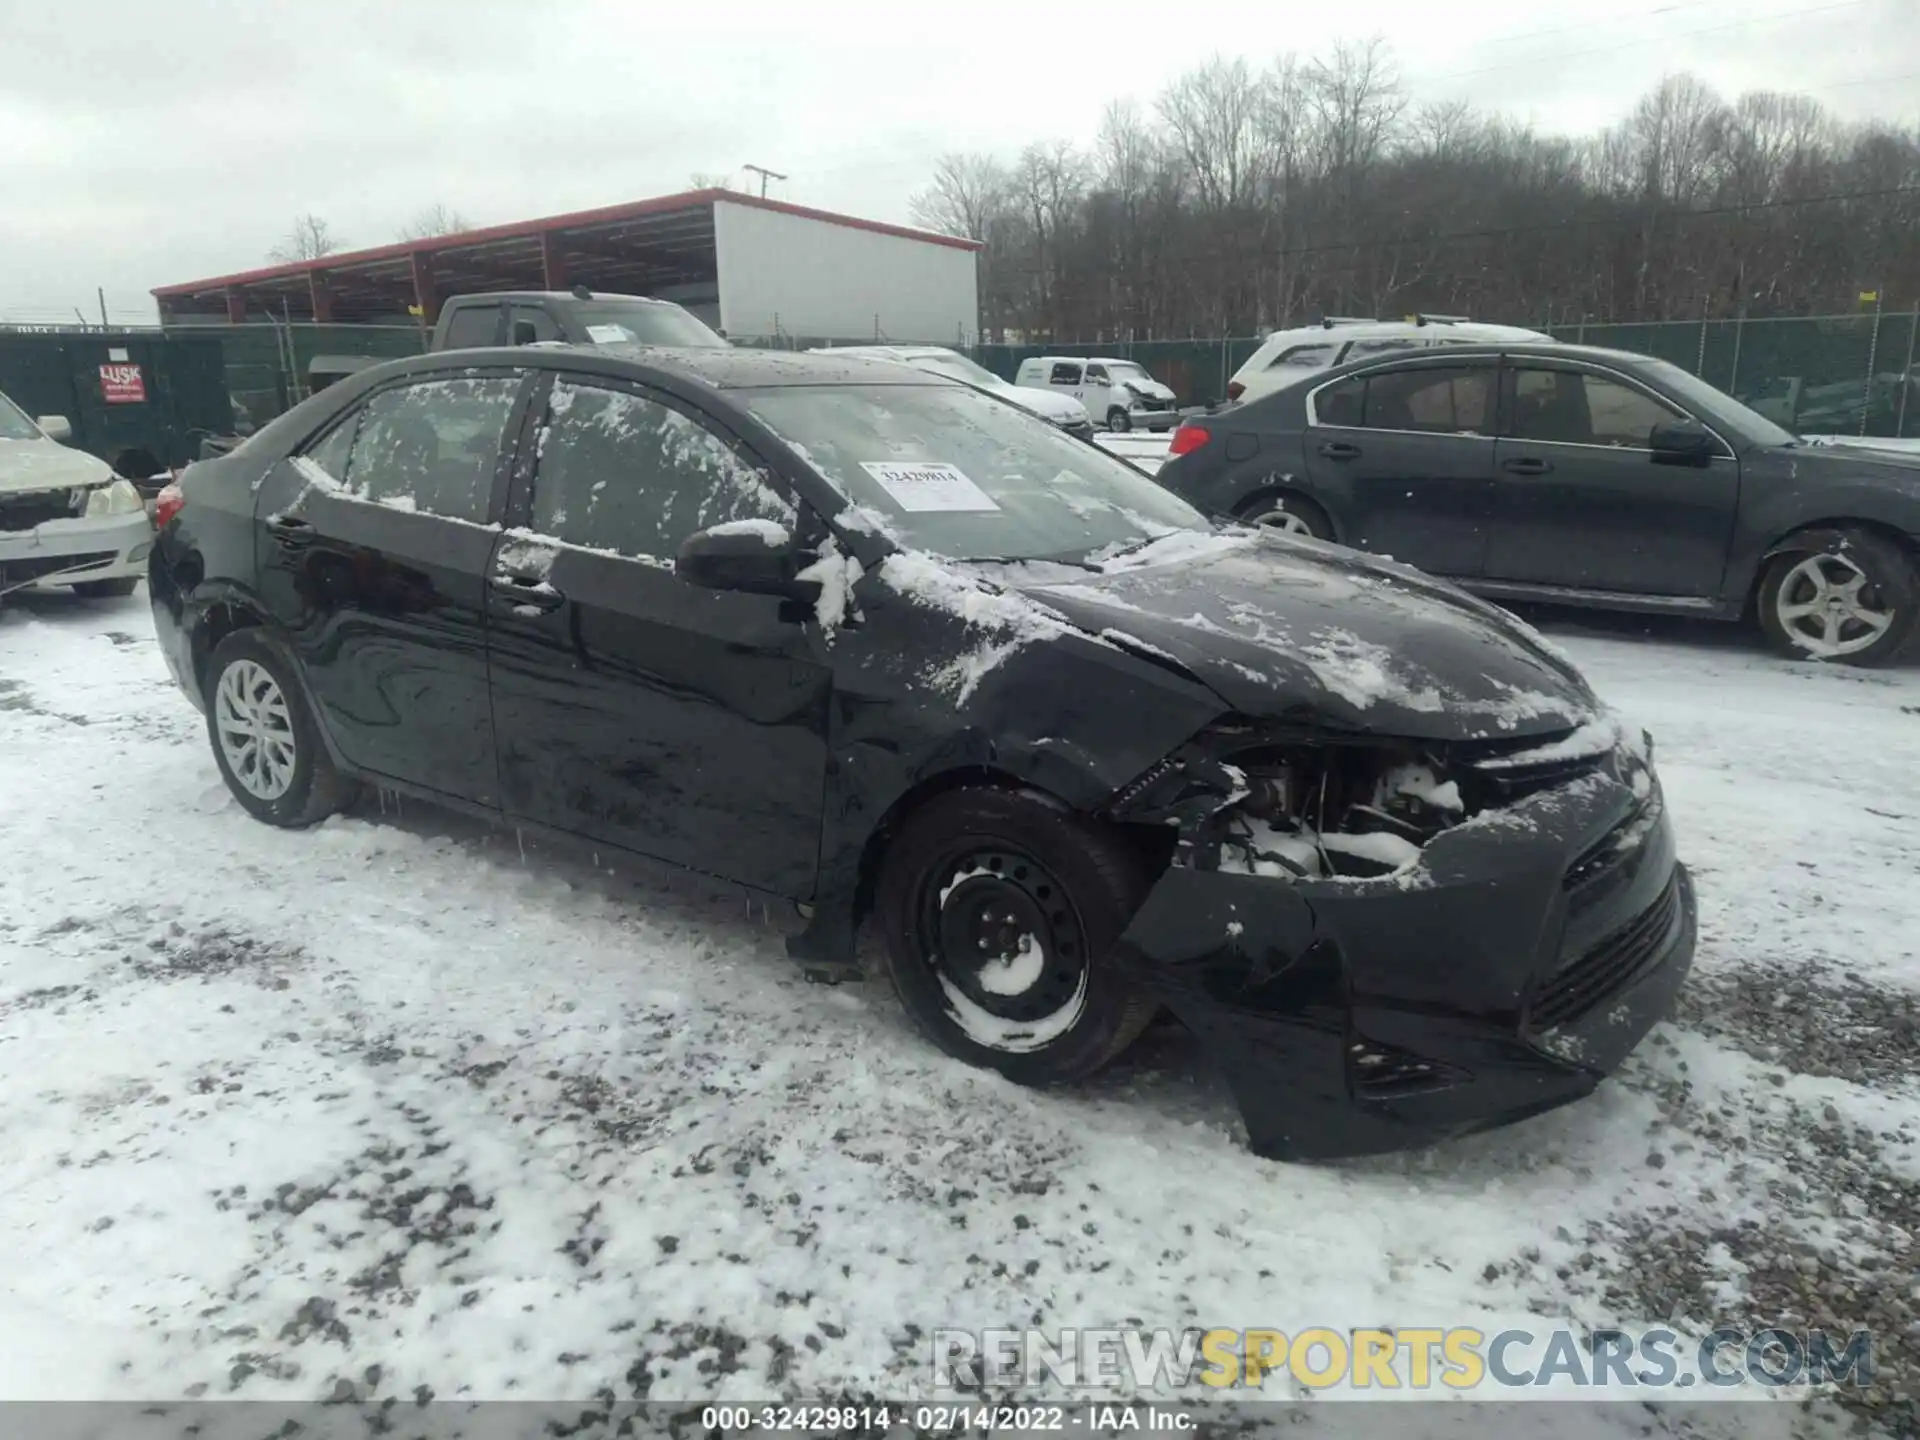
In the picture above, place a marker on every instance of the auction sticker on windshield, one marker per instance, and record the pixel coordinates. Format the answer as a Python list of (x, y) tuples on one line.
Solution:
[(928, 486), (609, 334)]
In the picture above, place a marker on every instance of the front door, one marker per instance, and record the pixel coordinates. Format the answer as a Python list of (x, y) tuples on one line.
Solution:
[(1581, 500), (1406, 454), (372, 551), (634, 708)]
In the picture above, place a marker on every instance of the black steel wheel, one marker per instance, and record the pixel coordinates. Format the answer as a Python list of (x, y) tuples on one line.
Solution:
[(1000, 911)]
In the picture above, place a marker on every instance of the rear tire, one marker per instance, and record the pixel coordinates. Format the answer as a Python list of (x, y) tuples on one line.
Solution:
[(1000, 912), (106, 589), (1843, 595), (1291, 514), (1118, 421), (264, 738)]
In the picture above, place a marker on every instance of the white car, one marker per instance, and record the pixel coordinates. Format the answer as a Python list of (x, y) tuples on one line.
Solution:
[(1063, 410), (1119, 394), (1287, 354), (65, 517)]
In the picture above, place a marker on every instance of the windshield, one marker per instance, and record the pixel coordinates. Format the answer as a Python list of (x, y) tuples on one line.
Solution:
[(957, 473), (1717, 405), (632, 322), (960, 368), (14, 424), (1125, 370)]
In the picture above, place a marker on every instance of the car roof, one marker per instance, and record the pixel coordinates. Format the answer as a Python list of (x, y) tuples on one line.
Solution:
[(1480, 350), (560, 295), (1367, 329), (1078, 360), (718, 367)]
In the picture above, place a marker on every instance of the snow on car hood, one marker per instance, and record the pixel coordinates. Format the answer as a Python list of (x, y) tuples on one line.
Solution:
[(47, 465), (1296, 629), (1047, 404), (1149, 389)]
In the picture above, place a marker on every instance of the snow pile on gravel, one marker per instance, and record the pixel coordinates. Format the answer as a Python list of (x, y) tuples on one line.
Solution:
[(390, 1107)]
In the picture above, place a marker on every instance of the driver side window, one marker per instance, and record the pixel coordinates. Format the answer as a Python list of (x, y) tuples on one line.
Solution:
[(622, 472), (1575, 407)]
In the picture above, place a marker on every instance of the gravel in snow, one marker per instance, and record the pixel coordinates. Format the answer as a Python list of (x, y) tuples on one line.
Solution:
[(390, 1104)]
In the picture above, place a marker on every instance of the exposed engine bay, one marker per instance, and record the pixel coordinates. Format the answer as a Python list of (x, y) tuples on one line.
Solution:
[(1249, 799)]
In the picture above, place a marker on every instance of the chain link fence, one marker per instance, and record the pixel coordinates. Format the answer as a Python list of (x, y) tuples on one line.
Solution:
[(1819, 375)]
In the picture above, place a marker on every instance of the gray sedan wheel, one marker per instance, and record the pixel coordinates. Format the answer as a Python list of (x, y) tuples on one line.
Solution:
[(1848, 595), (264, 739)]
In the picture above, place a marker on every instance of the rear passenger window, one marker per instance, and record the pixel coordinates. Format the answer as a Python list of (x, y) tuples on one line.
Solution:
[(432, 446), (1341, 403), (1437, 398), (621, 472), (1310, 356)]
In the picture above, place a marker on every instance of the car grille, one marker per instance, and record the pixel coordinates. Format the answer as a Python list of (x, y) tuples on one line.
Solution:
[(23, 512), (1609, 967), (1152, 402)]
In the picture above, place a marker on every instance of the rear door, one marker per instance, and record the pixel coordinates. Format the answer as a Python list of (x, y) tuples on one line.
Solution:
[(1583, 503), (1406, 453), (372, 548), (632, 707), (1069, 377)]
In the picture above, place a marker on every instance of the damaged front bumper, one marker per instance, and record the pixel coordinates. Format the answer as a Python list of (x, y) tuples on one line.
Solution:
[(1521, 960)]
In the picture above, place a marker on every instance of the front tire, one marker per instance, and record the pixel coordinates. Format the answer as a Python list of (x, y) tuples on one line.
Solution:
[(1000, 912), (1844, 595), (264, 738), (1118, 421)]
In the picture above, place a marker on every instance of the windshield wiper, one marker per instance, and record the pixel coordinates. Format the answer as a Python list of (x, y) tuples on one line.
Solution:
[(1078, 564)]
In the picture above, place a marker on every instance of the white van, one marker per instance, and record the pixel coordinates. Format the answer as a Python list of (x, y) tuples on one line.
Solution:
[(1118, 394), (1287, 354)]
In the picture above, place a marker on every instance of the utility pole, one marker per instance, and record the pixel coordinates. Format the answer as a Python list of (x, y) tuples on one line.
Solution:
[(765, 175), (101, 292)]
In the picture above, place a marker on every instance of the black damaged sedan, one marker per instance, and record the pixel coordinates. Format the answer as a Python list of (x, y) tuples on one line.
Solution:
[(854, 636)]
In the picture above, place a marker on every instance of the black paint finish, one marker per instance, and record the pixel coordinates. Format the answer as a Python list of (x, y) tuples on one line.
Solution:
[(1621, 526), (605, 697)]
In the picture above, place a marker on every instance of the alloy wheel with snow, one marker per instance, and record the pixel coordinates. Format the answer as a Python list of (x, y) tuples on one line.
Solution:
[(1289, 515), (254, 729), (999, 911), (1850, 598)]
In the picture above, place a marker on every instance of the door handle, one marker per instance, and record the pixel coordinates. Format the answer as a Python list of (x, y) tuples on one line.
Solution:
[(290, 532), (1340, 450), (524, 593), (1525, 465)]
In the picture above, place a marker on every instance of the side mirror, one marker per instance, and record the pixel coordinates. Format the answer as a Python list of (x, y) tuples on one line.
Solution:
[(524, 333), (752, 556), (1682, 442), (56, 427)]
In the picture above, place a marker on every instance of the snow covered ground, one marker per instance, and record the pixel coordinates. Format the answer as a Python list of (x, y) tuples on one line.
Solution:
[(394, 1104)]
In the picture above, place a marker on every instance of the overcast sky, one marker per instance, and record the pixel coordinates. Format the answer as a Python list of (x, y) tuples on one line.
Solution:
[(149, 141)]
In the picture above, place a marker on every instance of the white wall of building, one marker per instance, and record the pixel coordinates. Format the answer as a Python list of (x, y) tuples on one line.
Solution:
[(791, 275)]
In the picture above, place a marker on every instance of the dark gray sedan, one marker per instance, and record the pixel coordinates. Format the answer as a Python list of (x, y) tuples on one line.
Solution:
[(1578, 476)]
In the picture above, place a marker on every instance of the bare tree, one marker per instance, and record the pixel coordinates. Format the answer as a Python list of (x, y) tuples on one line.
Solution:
[(1246, 198), (967, 193), (438, 218), (713, 180), (309, 239)]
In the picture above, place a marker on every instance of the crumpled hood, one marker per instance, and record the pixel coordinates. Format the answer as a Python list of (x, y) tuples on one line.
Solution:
[(47, 465), (1296, 629), (1151, 389)]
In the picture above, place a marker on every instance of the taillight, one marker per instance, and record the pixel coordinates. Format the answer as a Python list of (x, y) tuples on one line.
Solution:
[(167, 504), (1187, 439), (1235, 389)]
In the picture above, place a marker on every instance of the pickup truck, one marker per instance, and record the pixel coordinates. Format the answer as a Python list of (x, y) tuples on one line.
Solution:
[(568, 317)]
